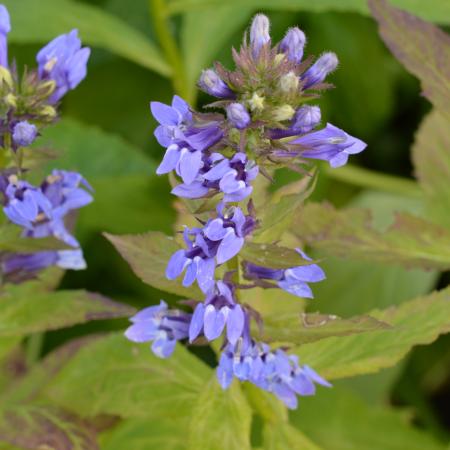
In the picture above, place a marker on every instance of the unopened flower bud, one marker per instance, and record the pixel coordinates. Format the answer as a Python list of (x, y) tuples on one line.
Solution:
[(293, 44), (256, 102), (289, 82), (284, 112), (5, 28), (11, 100), (306, 118), (319, 70), (211, 83), (5, 76), (259, 33), (24, 133), (238, 115), (46, 88), (48, 111)]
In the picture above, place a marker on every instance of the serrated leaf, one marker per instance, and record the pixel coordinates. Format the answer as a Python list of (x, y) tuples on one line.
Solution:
[(43, 427), (336, 419), (220, 419), (272, 255), (409, 241), (415, 322), (97, 28), (304, 328), (26, 309), (421, 47), (148, 255), (114, 376), (431, 156), (282, 436)]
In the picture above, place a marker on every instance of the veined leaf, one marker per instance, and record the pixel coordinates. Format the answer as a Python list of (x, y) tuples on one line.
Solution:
[(97, 28), (303, 328), (114, 376), (26, 309), (39, 427), (336, 419), (409, 241), (431, 155), (415, 322), (421, 47), (148, 255), (220, 419)]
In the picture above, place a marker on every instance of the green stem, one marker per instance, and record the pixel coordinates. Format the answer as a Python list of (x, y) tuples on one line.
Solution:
[(160, 17), (34, 348), (375, 180)]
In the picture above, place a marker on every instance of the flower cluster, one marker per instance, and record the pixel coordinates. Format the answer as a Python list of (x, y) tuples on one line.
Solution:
[(265, 123), (27, 104)]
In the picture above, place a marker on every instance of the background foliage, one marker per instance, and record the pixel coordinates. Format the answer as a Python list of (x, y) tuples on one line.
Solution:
[(384, 235)]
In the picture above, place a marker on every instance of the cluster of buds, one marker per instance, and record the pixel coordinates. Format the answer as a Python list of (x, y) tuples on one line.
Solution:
[(28, 103), (265, 124)]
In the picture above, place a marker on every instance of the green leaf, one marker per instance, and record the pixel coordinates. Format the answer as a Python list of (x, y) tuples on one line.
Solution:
[(11, 240), (97, 28), (145, 434), (434, 10), (421, 47), (409, 241), (94, 153), (415, 322), (114, 376), (43, 427), (431, 156), (220, 419), (26, 309), (336, 419), (272, 255), (148, 255), (302, 328), (284, 436)]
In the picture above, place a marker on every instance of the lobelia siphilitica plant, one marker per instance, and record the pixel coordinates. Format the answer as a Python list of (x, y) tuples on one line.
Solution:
[(28, 103), (266, 123)]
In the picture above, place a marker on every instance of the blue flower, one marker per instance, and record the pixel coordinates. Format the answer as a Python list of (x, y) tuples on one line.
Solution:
[(160, 325), (292, 44), (259, 33), (317, 73), (306, 118), (293, 280), (63, 61), (24, 133), (230, 176), (5, 28), (220, 309), (238, 116), (212, 84)]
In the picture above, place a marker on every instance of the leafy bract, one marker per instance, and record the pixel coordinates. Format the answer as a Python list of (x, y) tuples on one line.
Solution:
[(220, 419), (409, 241), (419, 321), (114, 376), (283, 436), (96, 26), (421, 47), (148, 255), (431, 156), (26, 309)]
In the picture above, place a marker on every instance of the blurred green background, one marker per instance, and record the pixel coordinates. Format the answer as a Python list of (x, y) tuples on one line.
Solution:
[(107, 134)]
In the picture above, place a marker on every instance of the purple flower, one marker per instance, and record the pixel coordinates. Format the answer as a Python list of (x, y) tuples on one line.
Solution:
[(5, 28), (160, 325), (41, 210), (273, 371), (217, 242), (293, 44), (329, 144), (293, 280), (230, 176), (259, 33), (317, 73), (238, 116), (63, 61), (212, 84), (306, 118), (219, 310), (24, 133)]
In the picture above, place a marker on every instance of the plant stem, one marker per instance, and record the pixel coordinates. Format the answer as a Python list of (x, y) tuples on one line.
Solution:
[(160, 17), (375, 180), (34, 348)]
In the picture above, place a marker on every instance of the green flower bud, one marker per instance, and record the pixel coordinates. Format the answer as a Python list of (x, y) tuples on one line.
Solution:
[(256, 103), (289, 82), (285, 112)]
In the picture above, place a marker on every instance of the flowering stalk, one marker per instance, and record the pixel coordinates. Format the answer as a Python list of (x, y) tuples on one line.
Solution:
[(265, 124)]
